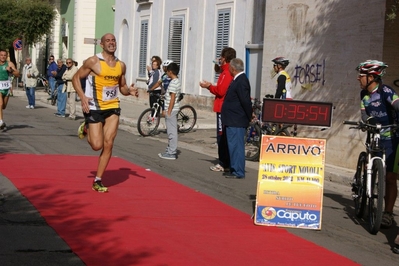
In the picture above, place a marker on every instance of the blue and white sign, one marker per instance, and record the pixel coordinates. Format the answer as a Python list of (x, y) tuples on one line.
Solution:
[(17, 44)]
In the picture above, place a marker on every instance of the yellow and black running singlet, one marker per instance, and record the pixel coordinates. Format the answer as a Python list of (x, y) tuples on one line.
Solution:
[(104, 87)]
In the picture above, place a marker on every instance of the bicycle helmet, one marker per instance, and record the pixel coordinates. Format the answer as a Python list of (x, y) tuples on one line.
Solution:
[(372, 67), (281, 61), (167, 63)]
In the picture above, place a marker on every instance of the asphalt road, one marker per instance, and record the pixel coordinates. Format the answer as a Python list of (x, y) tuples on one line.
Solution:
[(27, 240)]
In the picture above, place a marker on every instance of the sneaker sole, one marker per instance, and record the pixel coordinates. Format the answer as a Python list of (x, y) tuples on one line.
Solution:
[(166, 158), (99, 191)]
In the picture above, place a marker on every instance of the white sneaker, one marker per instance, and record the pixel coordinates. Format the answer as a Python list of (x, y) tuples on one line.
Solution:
[(27, 107), (31, 107)]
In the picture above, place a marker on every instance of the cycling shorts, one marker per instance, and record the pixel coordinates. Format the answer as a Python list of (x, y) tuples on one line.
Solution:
[(390, 146), (5, 92), (99, 116)]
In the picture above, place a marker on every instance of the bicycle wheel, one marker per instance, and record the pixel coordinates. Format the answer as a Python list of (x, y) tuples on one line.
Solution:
[(376, 199), (359, 185), (283, 132), (252, 142), (186, 118), (148, 122)]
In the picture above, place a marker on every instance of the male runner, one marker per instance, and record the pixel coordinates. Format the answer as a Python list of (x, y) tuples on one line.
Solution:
[(100, 102), (7, 70)]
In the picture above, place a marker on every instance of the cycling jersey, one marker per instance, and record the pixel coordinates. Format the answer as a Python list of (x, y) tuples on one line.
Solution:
[(283, 90), (104, 88), (165, 82), (378, 104)]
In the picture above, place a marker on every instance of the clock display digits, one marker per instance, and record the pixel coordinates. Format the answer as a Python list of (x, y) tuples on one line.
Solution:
[(313, 113), (323, 111), (279, 111), (291, 111), (297, 112), (301, 112)]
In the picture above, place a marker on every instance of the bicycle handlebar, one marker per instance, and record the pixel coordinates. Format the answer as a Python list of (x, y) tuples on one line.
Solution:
[(367, 126)]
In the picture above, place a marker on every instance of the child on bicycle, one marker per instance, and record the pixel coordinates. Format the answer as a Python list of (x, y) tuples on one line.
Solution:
[(172, 107), (380, 104)]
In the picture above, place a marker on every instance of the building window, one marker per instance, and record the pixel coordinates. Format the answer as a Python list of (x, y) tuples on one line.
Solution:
[(222, 32), (143, 48), (175, 40)]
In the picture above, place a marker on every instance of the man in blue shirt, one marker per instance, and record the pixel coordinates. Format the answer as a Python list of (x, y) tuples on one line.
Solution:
[(52, 66)]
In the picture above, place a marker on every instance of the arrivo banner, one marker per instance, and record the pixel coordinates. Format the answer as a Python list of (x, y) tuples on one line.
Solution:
[(290, 182)]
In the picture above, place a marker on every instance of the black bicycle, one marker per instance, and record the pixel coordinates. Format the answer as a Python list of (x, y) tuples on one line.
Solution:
[(149, 119), (256, 129), (368, 185)]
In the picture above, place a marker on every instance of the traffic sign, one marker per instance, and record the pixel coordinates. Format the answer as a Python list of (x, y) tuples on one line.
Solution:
[(90, 41), (17, 44)]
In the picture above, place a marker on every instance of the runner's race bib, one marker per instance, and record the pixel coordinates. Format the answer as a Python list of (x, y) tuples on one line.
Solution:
[(110, 93), (5, 84)]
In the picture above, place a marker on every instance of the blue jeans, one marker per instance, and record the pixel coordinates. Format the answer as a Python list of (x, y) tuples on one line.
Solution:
[(30, 93), (51, 82), (235, 141), (61, 100)]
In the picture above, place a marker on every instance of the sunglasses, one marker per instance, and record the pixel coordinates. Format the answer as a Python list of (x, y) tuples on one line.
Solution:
[(69, 62)]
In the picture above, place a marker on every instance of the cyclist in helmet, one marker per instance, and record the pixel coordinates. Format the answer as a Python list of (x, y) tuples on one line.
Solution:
[(283, 90), (380, 104)]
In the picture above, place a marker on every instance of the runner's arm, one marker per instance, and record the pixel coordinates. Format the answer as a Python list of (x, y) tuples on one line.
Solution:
[(123, 88)]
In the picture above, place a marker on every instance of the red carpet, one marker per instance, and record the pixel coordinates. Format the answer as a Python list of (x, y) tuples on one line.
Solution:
[(147, 219)]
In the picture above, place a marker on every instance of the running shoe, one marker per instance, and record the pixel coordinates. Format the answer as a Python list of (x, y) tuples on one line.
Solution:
[(167, 156), (99, 187), (82, 130), (3, 126)]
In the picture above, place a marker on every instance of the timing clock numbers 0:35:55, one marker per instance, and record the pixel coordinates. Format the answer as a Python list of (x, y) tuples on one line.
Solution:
[(297, 112)]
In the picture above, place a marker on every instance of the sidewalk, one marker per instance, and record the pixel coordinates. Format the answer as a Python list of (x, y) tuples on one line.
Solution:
[(202, 139)]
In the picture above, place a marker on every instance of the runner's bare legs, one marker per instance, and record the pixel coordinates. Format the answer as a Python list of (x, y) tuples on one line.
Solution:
[(102, 137)]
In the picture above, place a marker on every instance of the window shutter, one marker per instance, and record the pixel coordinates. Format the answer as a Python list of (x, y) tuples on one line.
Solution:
[(222, 33), (175, 41), (143, 48)]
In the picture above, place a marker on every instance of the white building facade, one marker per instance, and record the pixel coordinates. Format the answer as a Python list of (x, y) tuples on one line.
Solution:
[(191, 33)]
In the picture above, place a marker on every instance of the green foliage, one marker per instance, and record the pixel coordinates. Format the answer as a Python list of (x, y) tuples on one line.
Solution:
[(394, 10), (26, 19)]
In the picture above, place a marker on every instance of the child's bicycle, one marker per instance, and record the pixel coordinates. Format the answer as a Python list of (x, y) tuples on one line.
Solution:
[(368, 185), (148, 122)]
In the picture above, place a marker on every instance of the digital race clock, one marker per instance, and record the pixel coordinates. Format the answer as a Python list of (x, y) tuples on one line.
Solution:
[(297, 112)]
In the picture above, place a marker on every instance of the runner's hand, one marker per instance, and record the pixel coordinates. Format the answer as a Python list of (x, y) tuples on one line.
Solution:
[(85, 104)]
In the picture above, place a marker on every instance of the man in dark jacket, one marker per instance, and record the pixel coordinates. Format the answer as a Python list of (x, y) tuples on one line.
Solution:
[(236, 115)]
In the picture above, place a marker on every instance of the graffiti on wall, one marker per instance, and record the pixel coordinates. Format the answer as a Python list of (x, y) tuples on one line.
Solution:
[(310, 73)]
